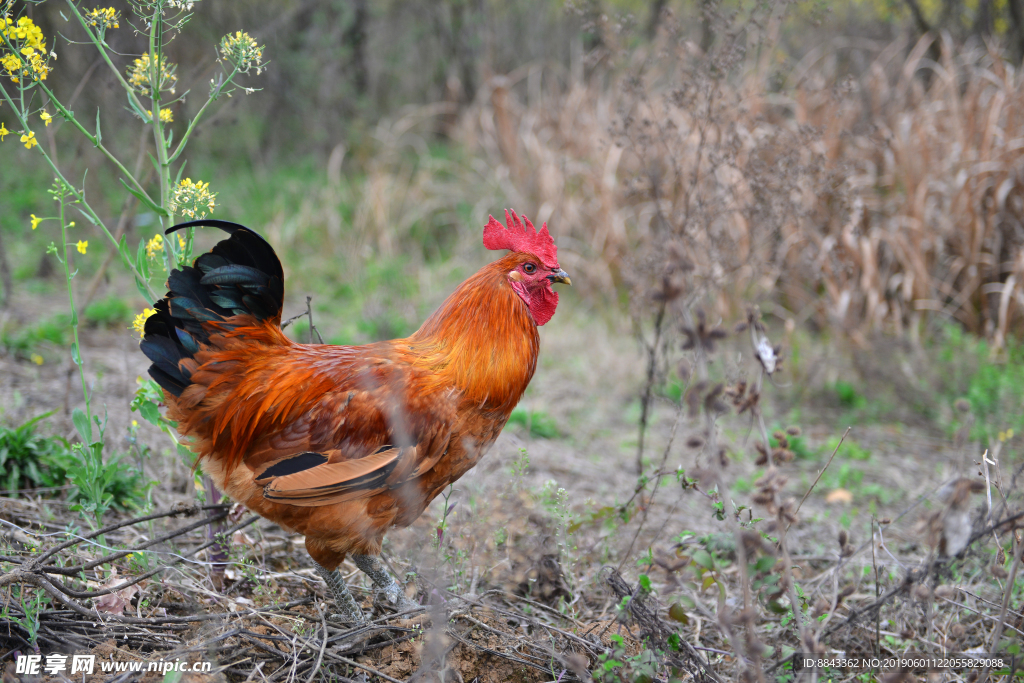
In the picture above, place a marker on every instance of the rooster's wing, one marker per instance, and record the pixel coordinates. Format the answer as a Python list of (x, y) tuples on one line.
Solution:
[(383, 424)]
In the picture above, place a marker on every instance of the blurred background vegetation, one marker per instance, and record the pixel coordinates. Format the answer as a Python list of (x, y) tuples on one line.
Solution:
[(849, 165)]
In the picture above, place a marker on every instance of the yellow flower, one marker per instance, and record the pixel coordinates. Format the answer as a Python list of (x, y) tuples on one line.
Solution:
[(138, 76), (82, 246), (28, 41), (71, 224), (193, 199), (3, 132), (242, 51), (155, 245), (166, 115), (37, 359), (29, 140), (35, 221), (103, 18), (45, 117), (135, 423), (139, 324)]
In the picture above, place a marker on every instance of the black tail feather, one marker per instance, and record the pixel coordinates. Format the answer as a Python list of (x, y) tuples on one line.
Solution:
[(240, 275)]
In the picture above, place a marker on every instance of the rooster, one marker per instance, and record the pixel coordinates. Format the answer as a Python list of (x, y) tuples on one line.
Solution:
[(342, 443)]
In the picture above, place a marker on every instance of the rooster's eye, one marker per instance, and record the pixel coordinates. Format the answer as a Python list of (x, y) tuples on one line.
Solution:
[(529, 268)]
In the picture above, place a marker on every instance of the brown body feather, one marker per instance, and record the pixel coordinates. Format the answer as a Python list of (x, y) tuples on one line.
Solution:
[(391, 424)]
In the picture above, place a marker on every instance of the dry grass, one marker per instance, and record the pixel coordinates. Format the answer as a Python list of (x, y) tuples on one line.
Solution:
[(874, 202)]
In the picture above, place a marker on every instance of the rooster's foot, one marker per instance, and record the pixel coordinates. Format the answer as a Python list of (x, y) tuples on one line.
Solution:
[(389, 593), (350, 611)]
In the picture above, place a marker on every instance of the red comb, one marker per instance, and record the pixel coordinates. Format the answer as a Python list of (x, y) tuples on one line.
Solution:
[(522, 239)]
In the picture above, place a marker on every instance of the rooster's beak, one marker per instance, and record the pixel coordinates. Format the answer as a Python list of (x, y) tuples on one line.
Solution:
[(560, 276)]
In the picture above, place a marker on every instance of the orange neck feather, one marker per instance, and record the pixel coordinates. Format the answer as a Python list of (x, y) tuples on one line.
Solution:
[(483, 339)]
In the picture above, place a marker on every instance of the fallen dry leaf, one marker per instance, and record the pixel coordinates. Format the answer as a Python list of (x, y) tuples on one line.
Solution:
[(839, 496), (115, 603)]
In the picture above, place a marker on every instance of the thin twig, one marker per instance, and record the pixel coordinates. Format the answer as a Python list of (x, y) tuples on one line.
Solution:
[(818, 478)]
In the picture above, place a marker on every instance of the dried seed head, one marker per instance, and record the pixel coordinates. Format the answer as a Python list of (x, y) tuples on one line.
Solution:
[(945, 592), (754, 544), (998, 571), (783, 455), (670, 290), (962, 405), (693, 398), (684, 371), (694, 442), (793, 430), (713, 403), (844, 538), (921, 592), (957, 631)]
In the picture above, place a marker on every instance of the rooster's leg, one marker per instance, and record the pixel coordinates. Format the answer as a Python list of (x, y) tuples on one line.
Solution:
[(389, 591), (342, 597)]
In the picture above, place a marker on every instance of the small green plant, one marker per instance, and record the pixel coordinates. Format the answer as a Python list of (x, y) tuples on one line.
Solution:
[(848, 396), (25, 342), (27, 459), (555, 500), (851, 450), (443, 544), (618, 666), (109, 312), (32, 602), (518, 469), (536, 423)]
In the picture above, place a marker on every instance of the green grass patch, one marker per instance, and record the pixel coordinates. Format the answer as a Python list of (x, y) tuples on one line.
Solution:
[(26, 458), (537, 423), (26, 340), (850, 450), (109, 312)]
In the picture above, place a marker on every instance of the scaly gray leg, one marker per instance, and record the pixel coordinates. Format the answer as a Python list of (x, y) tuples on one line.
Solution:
[(389, 592), (342, 597)]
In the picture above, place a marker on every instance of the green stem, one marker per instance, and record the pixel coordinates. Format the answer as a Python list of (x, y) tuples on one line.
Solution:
[(95, 141), (71, 301), (155, 86), (101, 45), (85, 208), (191, 126)]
